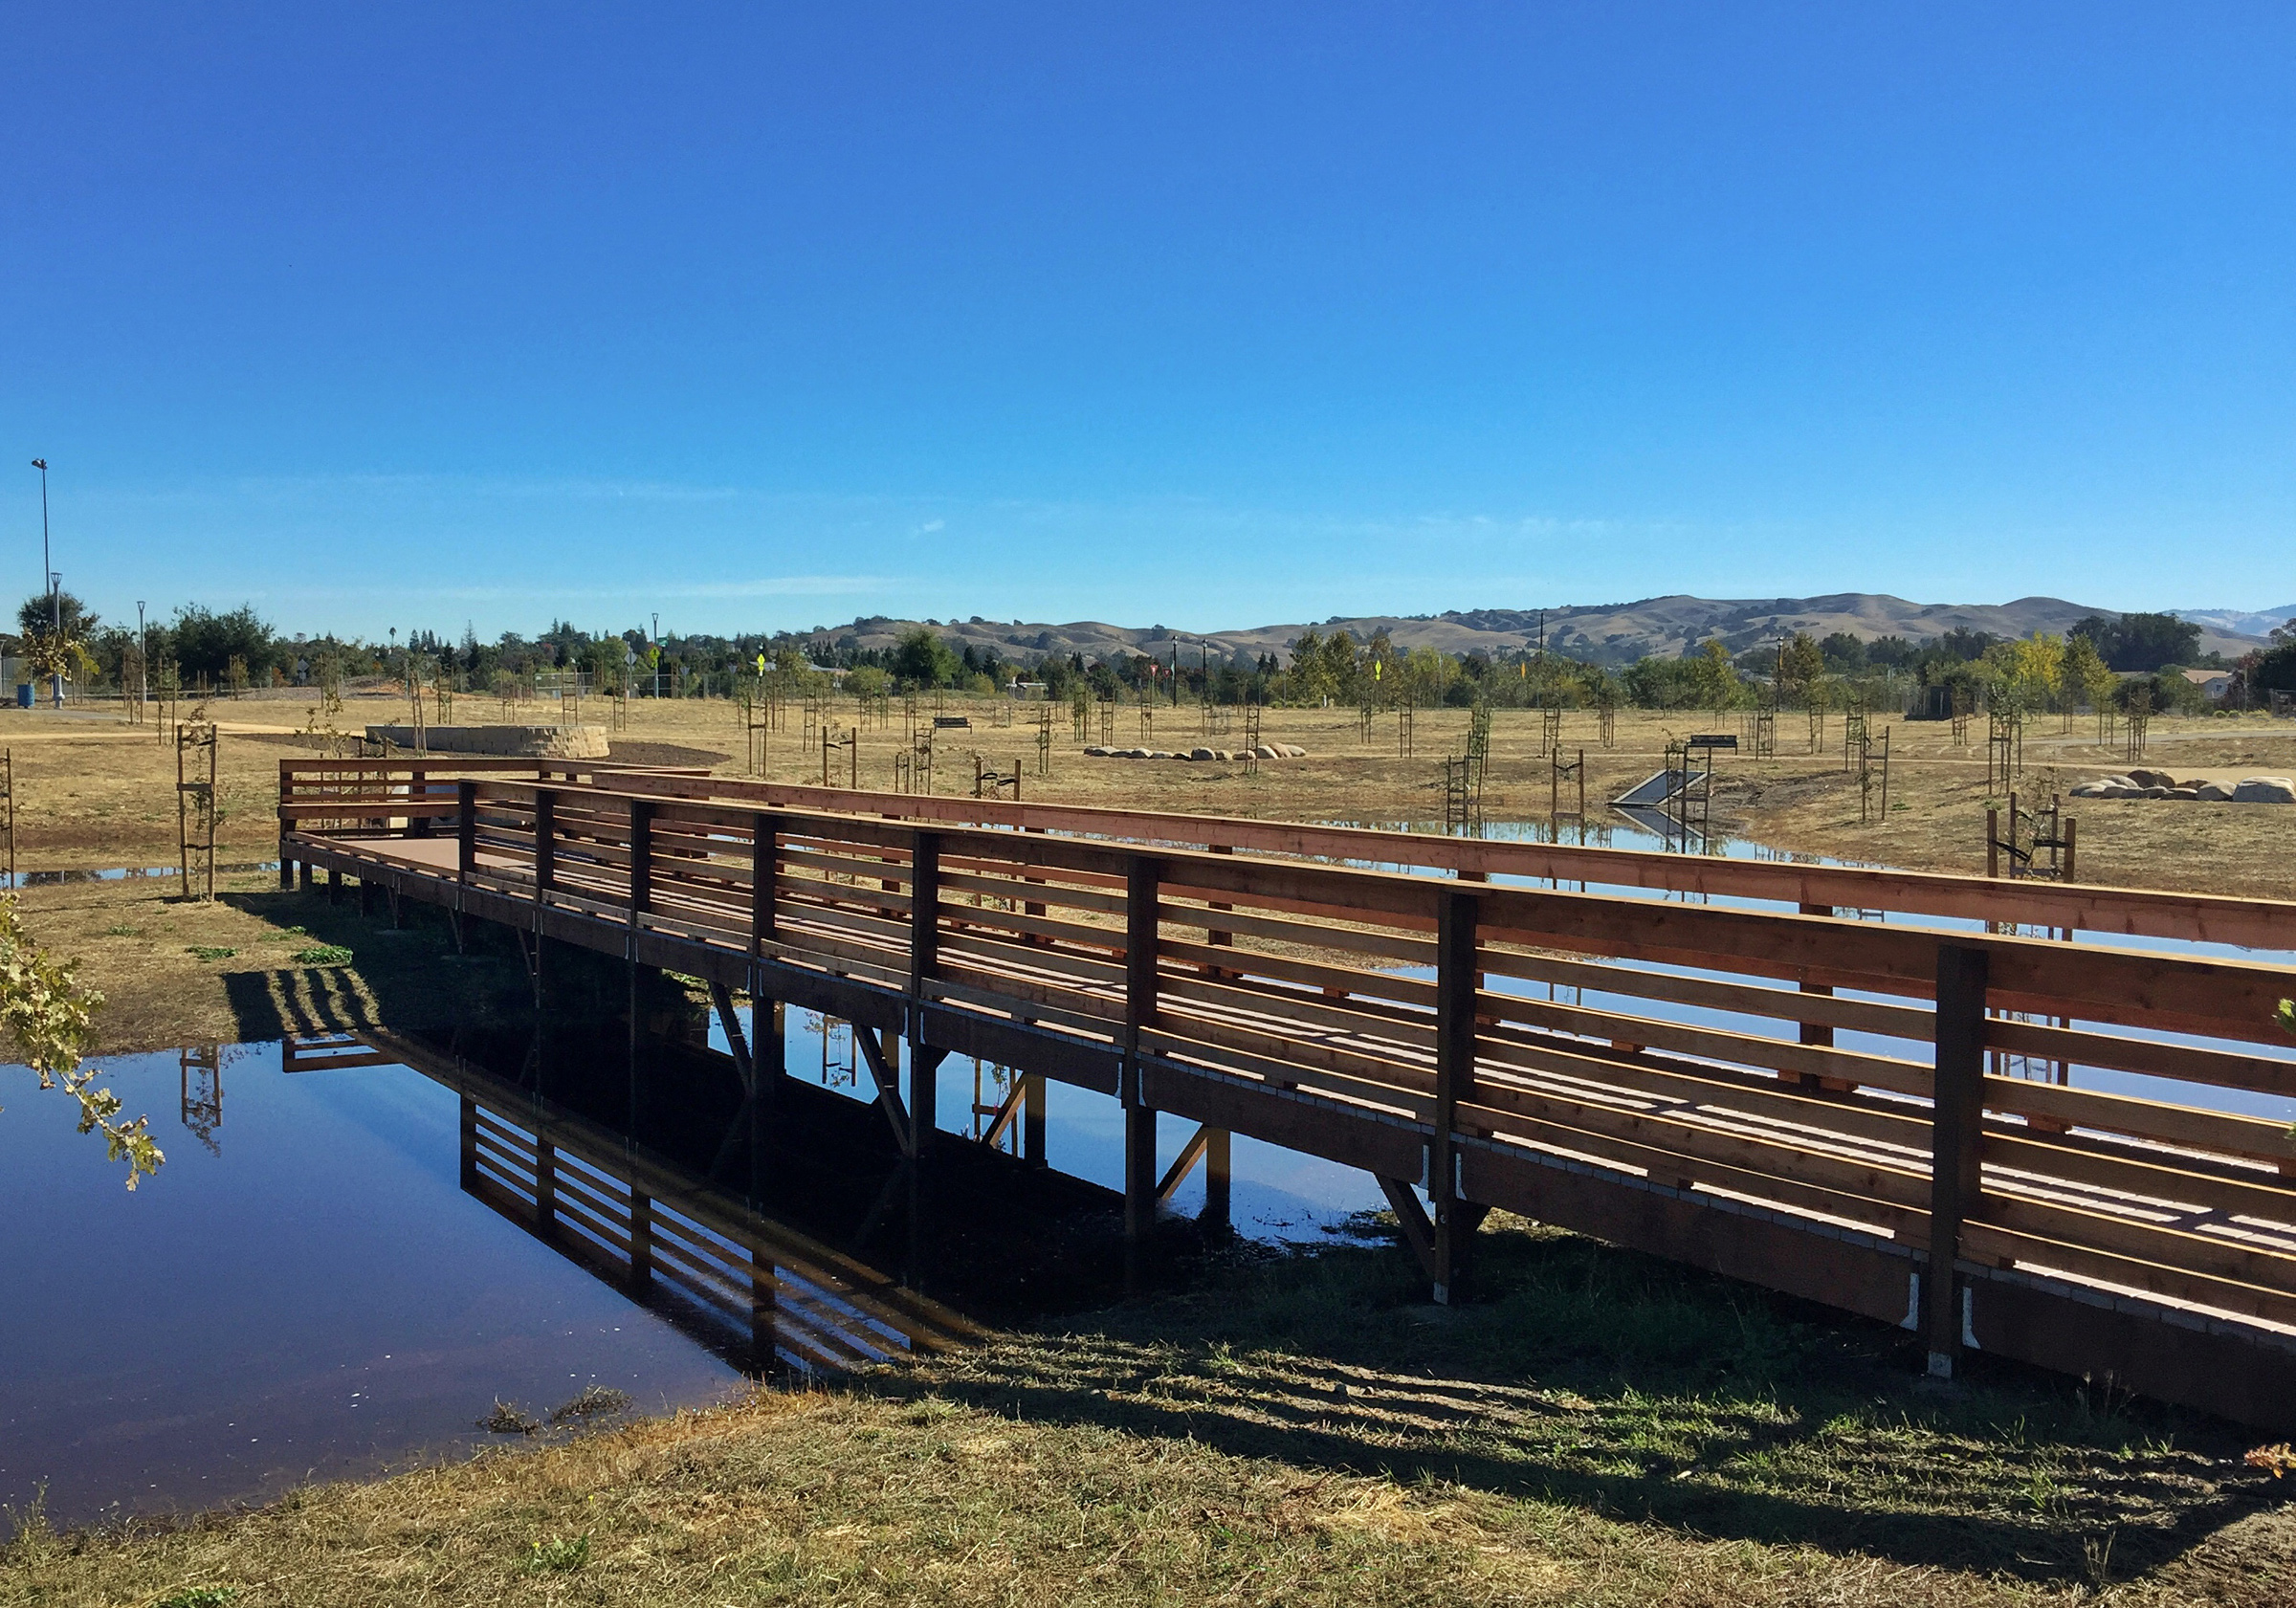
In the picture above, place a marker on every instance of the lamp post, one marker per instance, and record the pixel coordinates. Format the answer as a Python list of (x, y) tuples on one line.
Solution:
[(143, 655), (55, 625), (657, 657), (56, 619)]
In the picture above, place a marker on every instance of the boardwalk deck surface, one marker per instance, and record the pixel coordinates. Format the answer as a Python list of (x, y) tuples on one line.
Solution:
[(1699, 1059)]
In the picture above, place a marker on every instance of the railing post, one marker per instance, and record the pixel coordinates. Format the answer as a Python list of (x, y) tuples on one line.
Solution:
[(1141, 878), (466, 829), (640, 865), (765, 869), (1957, 1139), (545, 842), (286, 796), (924, 958), (418, 801), (1455, 979)]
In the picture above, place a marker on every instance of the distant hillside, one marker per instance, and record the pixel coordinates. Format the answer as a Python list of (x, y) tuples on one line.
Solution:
[(2235, 622), (1610, 633)]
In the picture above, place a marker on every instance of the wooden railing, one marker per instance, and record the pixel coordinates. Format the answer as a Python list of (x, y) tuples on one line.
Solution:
[(1825, 1073)]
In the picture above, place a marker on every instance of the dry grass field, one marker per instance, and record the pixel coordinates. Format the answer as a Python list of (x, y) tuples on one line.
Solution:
[(94, 792)]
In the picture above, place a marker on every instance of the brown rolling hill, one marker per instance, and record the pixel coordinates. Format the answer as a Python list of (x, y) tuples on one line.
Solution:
[(1609, 633)]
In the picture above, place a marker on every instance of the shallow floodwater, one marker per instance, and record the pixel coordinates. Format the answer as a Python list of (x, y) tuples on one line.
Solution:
[(313, 1286)]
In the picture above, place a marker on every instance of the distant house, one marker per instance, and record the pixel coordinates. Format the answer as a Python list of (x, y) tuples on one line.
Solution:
[(2213, 684)]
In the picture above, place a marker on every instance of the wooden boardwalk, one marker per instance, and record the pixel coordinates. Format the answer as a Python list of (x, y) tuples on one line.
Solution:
[(1812, 1078)]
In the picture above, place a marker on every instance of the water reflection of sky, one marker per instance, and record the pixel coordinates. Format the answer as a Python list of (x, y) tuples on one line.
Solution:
[(1275, 1195), (315, 1297)]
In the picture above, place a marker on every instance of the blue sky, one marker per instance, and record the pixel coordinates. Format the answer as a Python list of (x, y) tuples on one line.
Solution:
[(1207, 316)]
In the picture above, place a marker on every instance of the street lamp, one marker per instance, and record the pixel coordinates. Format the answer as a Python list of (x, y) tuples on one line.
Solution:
[(55, 618)]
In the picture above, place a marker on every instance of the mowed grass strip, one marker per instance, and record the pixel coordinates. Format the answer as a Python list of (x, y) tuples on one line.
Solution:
[(1601, 1429)]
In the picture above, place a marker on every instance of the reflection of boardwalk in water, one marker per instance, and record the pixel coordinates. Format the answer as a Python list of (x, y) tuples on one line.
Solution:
[(755, 1290)]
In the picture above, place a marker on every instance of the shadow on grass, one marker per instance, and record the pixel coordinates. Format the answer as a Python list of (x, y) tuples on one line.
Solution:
[(409, 975), (1613, 1382)]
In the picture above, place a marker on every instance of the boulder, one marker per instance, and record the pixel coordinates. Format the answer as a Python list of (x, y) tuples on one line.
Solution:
[(2155, 791), (2214, 792), (1199, 753), (2264, 789), (2184, 792), (1156, 754), (1292, 751), (1098, 751), (2086, 789), (1266, 751), (1222, 755), (2151, 779)]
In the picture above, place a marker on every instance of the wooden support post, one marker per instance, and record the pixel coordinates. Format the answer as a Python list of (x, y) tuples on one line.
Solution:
[(1957, 1143), (1032, 1118), (641, 894), (1820, 1033), (764, 868), (1454, 1082), (1140, 936), (640, 865), (1218, 1195), (546, 842), (334, 885), (1139, 1171), (1216, 937), (1992, 842), (924, 959), (466, 829)]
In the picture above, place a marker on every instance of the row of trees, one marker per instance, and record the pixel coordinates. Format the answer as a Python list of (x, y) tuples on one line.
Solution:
[(2089, 665)]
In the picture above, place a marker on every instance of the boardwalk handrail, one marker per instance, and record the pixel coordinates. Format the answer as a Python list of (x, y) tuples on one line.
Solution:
[(1558, 1053), (2201, 917)]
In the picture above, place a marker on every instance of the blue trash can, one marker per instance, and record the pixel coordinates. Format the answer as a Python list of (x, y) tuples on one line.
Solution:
[(24, 694)]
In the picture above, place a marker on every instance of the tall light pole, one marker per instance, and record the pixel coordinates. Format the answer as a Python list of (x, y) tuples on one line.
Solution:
[(142, 654), (54, 606), (657, 657), (56, 619)]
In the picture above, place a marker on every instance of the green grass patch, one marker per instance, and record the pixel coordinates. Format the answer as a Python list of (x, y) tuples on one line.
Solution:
[(321, 954), (557, 1554), (209, 951)]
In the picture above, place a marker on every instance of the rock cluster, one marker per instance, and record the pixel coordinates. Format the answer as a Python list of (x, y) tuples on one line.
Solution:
[(1265, 751), (2160, 784)]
